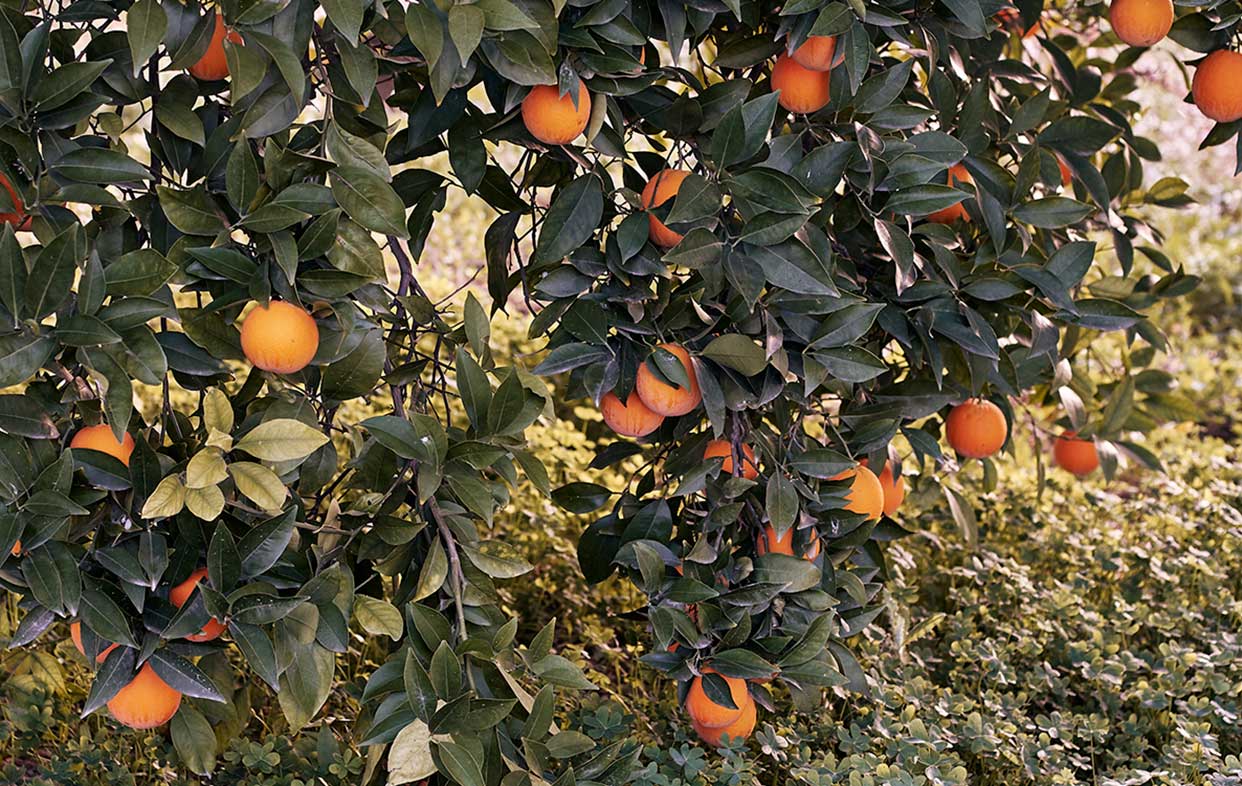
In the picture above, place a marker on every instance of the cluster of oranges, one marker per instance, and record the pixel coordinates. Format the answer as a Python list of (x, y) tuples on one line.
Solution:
[(801, 79), (279, 337), (1215, 84), (147, 701), (977, 428)]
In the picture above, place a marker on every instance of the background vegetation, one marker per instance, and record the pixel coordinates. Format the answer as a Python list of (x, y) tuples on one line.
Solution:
[(1090, 636)]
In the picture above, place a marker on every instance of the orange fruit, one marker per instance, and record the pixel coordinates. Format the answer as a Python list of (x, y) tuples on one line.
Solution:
[(1074, 455), (739, 729), (894, 487), (281, 337), (659, 190), (976, 428), (708, 713), (816, 52), (663, 398), (17, 218), (1141, 22), (802, 90), (722, 447), (17, 549), (866, 495), (213, 65), (631, 418), (100, 438), (957, 174), (552, 118), (146, 702), (75, 633), (181, 593), (1215, 88), (771, 543)]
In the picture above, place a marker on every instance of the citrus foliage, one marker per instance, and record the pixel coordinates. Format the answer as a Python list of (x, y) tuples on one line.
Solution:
[(821, 288)]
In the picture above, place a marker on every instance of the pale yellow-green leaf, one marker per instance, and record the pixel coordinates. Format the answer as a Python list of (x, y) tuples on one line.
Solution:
[(205, 469), (409, 758), (378, 617), (283, 439), (217, 411), (259, 484), (206, 503), (219, 439), (167, 500)]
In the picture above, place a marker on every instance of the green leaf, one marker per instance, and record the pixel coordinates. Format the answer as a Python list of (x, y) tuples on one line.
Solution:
[(145, 25), (738, 352), (433, 573), (192, 211), (194, 739), (139, 272), (100, 165), (1052, 212), (346, 15), (572, 218), (369, 200), (65, 83), (282, 439), (52, 274)]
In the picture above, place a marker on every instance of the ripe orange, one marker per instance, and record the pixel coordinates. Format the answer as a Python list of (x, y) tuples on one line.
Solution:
[(866, 494), (281, 337), (659, 190), (816, 52), (75, 633), (552, 118), (802, 90), (894, 487), (18, 217), (146, 702), (739, 729), (771, 543), (181, 593), (1076, 456), (976, 428), (213, 65), (17, 549), (1141, 22), (722, 447), (708, 713), (631, 418), (663, 398), (957, 174), (1215, 88), (100, 438)]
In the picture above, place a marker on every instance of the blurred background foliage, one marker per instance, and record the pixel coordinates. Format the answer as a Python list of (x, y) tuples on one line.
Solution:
[(1092, 636)]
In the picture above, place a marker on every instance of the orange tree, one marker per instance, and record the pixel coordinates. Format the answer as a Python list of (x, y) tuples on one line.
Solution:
[(778, 244)]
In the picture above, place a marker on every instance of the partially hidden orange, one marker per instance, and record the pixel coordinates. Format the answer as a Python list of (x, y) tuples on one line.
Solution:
[(100, 438), (660, 189), (629, 418), (663, 398), (179, 594), (722, 447), (146, 702)]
